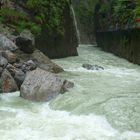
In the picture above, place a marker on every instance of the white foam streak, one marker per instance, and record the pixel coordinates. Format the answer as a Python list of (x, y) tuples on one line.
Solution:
[(55, 125)]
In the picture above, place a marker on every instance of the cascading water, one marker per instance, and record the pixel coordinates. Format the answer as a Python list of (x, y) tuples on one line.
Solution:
[(103, 105), (75, 23)]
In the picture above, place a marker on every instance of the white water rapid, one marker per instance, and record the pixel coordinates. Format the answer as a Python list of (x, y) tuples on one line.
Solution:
[(103, 105)]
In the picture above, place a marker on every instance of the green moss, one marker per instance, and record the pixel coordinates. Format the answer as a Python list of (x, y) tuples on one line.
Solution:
[(48, 13), (11, 15), (43, 14), (136, 10), (121, 13)]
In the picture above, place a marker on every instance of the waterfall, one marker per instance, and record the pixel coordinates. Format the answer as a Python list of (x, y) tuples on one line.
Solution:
[(75, 23)]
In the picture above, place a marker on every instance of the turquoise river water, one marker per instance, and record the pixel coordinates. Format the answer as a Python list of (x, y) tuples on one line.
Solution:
[(103, 105)]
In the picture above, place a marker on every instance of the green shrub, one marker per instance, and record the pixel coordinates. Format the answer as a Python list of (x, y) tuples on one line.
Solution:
[(43, 14), (118, 12), (48, 13), (136, 11), (11, 15)]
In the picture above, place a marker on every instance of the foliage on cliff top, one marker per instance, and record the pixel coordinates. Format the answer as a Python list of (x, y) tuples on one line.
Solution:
[(85, 10), (118, 14), (41, 14)]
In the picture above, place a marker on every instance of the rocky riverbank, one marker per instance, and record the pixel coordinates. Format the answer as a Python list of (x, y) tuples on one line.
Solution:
[(30, 32), (52, 24), (24, 68)]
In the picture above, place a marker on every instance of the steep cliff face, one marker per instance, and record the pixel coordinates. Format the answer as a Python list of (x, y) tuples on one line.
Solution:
[(123, 43), (117, 30), (50, 21), (60, 45)]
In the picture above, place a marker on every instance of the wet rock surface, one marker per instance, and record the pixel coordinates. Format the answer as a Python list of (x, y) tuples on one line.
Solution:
[(92, 67), (40, 85), (66, 86)]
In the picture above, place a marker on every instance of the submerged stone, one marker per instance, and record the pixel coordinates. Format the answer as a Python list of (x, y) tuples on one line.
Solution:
[(92, 67)]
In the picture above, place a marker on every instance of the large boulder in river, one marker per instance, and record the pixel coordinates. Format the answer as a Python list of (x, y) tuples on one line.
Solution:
[(7, 83), (40, 85), (25, 41), (7, 44), (45, 63)]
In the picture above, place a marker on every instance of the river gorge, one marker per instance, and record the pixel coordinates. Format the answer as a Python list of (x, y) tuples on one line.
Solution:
[(103, 105)]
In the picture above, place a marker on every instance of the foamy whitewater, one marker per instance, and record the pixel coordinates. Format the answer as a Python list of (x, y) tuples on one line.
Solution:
[(103, 105)]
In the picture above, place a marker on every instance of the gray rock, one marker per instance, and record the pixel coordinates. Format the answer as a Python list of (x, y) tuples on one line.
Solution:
[(41, 61), (7, 83), (24, 69), (66, 85), (19, 77), (25, 41), (44, 66), (11, 69), (7, 44), (11, 57), (40, 85), (45, 63), (22, 56), (27, 34), (29, 66), (18, 65), (17, 74), (92, 67), (3, 62)]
